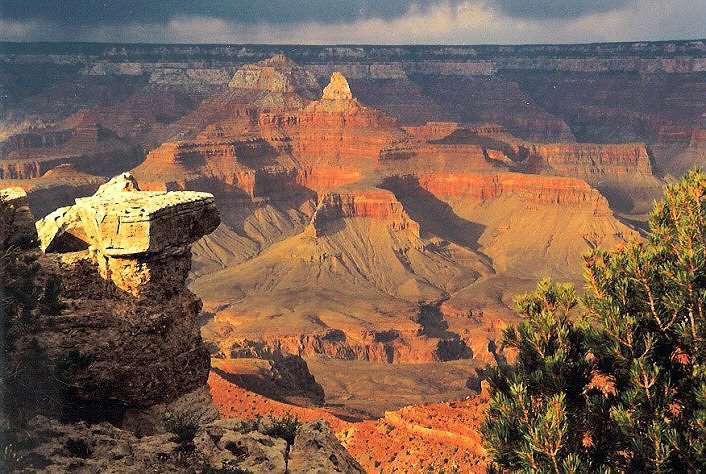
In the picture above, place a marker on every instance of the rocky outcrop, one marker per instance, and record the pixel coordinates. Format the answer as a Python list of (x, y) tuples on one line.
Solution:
[(140, 240), (592, 161), (268, 371), (133, 362), (277, 74), (377, 204), (316, 449), (232, 445), (541, 190), (15, 215), (123, 333), (337, 88)]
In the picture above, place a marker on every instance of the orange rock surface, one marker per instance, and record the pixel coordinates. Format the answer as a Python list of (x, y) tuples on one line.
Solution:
[(413, 439), (377, 204), (532, 188), (593, 160)]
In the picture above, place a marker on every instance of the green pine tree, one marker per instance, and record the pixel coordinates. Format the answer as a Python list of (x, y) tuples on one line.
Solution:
[(619, 382)]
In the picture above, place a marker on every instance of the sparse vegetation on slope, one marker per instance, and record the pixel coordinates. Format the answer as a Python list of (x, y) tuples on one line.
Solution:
[(621, 386)]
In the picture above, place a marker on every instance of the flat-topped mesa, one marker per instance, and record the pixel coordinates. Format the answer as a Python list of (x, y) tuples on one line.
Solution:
[(377, 204), (277, 74), (533, 189), (141, 240), (592, 161), (190, 153)]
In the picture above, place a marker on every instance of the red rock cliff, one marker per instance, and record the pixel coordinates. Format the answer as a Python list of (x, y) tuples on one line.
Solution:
[(375, 204), (592, 160), (544, 190)]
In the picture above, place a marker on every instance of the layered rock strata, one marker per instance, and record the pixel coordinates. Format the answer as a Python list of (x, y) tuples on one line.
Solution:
[(277, 74), (531, 188), (377, 204), (140, 240), (335, 128), (593, 161), (124, 333)]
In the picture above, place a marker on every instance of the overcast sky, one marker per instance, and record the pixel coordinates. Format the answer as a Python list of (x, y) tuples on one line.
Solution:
[(352, 21)]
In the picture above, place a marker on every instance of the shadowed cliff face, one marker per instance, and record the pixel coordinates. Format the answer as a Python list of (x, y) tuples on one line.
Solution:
[(124, 334)]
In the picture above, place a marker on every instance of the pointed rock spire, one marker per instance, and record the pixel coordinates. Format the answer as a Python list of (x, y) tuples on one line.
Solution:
[(338, 88)]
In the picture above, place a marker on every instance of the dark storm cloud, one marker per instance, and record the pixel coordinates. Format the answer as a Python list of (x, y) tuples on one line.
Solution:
[(110, 12), (351, 21), (557, 8)]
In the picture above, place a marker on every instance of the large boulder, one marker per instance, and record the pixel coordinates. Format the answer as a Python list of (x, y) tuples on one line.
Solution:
[(317, 451)]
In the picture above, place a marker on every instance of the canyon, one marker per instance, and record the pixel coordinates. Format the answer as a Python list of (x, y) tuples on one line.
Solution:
[(340, 231)]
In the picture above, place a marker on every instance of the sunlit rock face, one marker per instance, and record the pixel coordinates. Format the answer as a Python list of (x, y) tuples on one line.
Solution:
[(124, 318), (376, 204), (277, 74), (337, 89), (140, 240)]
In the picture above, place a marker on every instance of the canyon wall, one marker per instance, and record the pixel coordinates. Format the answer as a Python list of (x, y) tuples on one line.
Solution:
[(371, 61), (592, 161), (375, 204), (622, 172), (543, 190)]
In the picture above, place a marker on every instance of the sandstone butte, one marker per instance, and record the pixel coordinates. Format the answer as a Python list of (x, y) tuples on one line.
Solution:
[(375, 204)]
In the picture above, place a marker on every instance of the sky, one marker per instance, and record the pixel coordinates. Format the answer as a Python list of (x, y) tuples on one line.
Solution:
[(352, 21)]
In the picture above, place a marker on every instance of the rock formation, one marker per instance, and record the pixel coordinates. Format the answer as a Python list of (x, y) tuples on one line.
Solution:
[(276, 375), (87, 145), (622, 171), (57, 187), (140, 240), (222, 445), (337, 89), (593, 161), (377, 204), (125, 350), (16, 216), (277, 74), (337, 128), (534, 189), (128, 328)]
